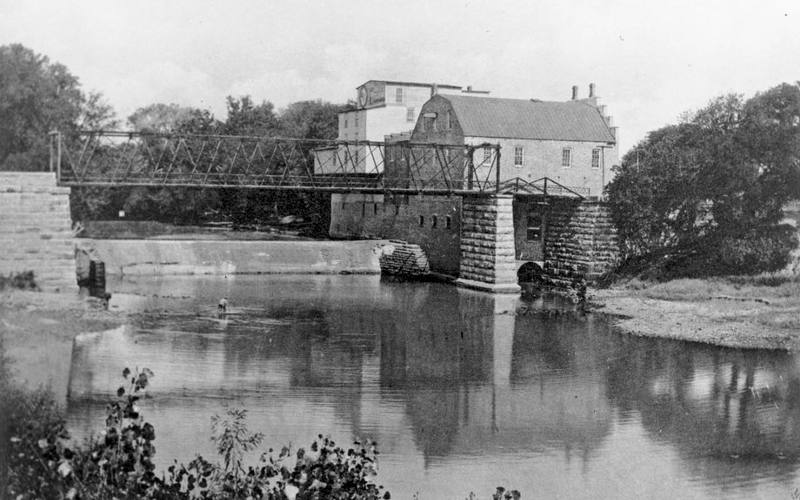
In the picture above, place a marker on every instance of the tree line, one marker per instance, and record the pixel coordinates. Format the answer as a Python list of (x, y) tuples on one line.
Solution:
[(38, 96)]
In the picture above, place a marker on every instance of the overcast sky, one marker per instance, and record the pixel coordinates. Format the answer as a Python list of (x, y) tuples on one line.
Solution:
[(649, 60)]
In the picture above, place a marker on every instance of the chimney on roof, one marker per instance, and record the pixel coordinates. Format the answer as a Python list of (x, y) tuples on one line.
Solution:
[(434, 89), (591, 90), (574, 92)]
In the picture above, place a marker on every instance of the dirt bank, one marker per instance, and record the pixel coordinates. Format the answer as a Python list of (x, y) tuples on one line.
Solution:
[(37, 330), (715, 311)]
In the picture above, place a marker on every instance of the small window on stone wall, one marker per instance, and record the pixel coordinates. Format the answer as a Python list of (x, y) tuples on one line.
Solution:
[(534, 228), (397, 209), (434, 221), (448, 222), (374, 209), (363, 209), (421, 221)]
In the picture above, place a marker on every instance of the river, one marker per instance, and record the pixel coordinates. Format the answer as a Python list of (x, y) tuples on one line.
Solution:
[(463, 391)]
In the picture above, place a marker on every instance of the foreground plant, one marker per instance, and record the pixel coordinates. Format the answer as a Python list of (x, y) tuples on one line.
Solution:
[(119, 463)]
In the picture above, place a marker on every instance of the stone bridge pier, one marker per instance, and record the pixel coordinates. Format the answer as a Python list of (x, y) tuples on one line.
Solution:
[(579, 242), (487, 244)]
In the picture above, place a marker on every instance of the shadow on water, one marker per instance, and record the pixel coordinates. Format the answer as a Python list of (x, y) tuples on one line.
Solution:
[(462, 380)]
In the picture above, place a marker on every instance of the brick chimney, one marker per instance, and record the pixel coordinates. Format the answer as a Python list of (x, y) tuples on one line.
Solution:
[(574, 92), (591, 90)]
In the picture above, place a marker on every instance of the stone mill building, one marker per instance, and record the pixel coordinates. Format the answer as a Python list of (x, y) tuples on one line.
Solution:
[(553, 161)]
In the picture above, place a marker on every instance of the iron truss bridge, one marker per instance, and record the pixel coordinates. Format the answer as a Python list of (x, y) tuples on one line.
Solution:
[(117, 159)]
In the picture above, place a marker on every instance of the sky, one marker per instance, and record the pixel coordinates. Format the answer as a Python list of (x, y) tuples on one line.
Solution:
[(650, 61)]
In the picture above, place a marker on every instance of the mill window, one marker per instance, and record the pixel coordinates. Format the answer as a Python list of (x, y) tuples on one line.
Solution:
[(596, 158), (398, 95), (487, 155), (566, 157), (410, 115), (518, 155)]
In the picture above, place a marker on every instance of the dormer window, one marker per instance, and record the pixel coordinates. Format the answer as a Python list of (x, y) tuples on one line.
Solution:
[(429, 122)]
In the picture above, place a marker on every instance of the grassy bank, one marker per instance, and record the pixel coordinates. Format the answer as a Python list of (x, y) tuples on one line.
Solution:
[(746, 312)]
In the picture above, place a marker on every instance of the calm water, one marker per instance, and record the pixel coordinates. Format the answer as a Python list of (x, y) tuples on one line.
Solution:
[(463, 391)]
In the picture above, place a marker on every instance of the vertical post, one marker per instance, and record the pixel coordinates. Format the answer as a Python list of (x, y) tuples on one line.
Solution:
[(545, 187), (497, 169), (470, 165), (52, 152), (58, 156)]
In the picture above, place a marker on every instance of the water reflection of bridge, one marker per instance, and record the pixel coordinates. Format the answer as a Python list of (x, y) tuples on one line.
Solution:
[(453, 373)]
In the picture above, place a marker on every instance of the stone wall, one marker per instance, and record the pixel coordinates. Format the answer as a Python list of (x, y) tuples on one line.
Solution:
[(580, 242), (432, 222), (487, 244), (36, 229)]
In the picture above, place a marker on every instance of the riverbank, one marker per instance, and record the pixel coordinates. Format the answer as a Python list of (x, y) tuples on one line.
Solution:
[(37, 330), (745, 313)]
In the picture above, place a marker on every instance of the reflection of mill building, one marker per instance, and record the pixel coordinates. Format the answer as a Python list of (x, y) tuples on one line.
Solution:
[(572, 144)]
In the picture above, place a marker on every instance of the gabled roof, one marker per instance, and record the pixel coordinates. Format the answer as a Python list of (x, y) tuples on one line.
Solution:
[(529, 119)]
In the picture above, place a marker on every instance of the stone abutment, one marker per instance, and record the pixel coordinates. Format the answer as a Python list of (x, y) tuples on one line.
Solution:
[(36, 230)]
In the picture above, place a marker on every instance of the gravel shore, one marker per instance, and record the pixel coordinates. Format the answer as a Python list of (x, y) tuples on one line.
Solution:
[(713, 312)]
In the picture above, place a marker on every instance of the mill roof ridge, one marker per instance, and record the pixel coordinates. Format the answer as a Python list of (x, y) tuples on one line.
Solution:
[(529, 119), (414, 84)]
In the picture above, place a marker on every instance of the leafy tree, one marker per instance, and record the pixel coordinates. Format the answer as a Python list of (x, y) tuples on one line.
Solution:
[(706, 196), (310, 120), (160, 118), (246, 118), (36, 97)]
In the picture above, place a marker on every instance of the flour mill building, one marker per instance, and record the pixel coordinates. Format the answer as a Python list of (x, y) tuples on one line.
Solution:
[(570, 144)]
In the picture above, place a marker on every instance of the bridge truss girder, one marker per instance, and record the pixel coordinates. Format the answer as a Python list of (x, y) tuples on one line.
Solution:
[(118, 159)]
